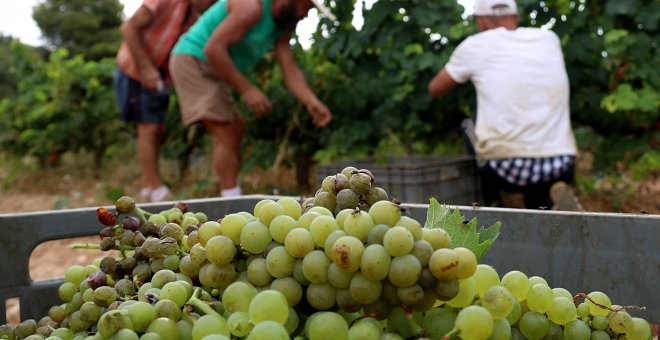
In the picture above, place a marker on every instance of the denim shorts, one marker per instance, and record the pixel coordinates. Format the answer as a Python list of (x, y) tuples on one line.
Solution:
[(136, 103)]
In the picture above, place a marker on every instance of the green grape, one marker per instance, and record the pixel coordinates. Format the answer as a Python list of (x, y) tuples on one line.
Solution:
[(341, 216), (375, 263), (171, 262), (466, 293), (533, 325), (339, 278), (537, 279), (601, 299), (562, 311), (330, 241), (90, 312), (291, 207), (176, 292), (363, 290), (161, 278), (315, 266), (445, 290), (279, 263), (501, 330), (517, 283), (167, 309), (75, 274), (61, 333), (172, 230), (298, 273), (321, 296), (582, 310), (189, 219), (619, 321), (364, 330), (377, 234), (321, 227), (125, 334), (467, 266), (413, 226), (326, 200), (498, 301), (323, 211), (268, 305), (306, 219), (141, 315), (378, 309), (577, 330), (326, 326), (410, 296), (298, 242), (422, 250), (208, 230), (290, 288), (280, 226), (346, 302), (347, 199), (257, 207), (358, 224), (438, 322), (112, 321), (66, 291), (360, 183), (555, 332), (57, 313), (640, 330), (268, 212), (104, 296), (255, 237), (443, 264), (398, 241), (210, 324), (599, 335), (540, 298), (515, 313), (147, 336), (215, 276), (385, 212), (562, 292), (76, 323), (437, 237), (347, 253), (184, 328), (231, 226), (258, 274), (474, 322), (405, 271), (485, 276), (187, 267), (599, 322), (239, 324), (268, 330), (349, 171), (220, 250)]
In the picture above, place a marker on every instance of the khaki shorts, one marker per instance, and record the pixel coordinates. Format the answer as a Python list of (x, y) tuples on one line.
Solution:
[(202, 95)]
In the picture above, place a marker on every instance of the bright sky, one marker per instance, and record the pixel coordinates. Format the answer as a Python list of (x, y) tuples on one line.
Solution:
[(16, 19)]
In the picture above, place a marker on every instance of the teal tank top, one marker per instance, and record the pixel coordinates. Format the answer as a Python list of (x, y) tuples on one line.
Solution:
[(247, 52)]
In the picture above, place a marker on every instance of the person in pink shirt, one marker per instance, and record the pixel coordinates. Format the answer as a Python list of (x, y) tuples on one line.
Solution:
[(142, 82)]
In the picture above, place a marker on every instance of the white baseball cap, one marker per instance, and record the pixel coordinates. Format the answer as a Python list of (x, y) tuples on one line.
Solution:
[(324, 10), (495, 7)]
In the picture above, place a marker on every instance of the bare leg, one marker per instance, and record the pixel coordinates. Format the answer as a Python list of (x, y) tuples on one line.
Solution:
[(149, 139), (226, 150)]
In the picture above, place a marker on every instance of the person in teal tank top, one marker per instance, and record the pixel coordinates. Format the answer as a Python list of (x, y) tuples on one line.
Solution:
[(208, 62)]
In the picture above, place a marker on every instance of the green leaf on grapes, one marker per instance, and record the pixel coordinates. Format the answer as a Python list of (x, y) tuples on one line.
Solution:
[(462, 234)]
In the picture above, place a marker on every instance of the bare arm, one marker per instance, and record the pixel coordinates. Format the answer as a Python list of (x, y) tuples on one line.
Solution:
[(241, 17), (441, 84), (131, 33), (295, 81)]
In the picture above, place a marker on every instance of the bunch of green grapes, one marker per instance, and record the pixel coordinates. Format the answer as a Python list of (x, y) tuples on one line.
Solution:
[(349, 189), (306, 271)]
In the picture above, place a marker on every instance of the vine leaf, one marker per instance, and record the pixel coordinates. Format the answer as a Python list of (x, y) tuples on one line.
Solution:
[(463, 233)]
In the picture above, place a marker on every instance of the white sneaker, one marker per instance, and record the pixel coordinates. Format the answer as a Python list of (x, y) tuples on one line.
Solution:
[(161, 194), (145, 195)]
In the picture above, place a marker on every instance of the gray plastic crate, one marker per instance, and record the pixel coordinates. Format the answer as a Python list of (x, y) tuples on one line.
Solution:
[(416, 178), (582, 252)]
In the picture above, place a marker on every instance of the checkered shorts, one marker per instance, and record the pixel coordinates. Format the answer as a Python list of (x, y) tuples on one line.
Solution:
[(524, 171)]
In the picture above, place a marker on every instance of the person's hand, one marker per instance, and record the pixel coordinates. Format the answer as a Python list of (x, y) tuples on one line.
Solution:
[(151, 79), (320, 113), (257, 101)]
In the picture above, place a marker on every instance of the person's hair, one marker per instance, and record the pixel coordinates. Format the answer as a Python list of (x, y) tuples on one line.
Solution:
[(287, 19)]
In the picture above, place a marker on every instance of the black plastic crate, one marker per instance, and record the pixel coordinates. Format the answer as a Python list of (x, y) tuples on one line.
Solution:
[(417, 178)]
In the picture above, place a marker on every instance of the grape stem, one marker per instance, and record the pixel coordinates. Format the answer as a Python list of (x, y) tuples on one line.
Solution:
[(416, 329), (98, 246), (194, 301), (585, 296), (365, 315), (450, 334)]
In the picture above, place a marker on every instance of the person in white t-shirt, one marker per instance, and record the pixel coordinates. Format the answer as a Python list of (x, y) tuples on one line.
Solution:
[(522, 136)]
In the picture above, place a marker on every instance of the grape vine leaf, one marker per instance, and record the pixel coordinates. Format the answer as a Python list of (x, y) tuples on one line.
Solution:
[(462, 234)]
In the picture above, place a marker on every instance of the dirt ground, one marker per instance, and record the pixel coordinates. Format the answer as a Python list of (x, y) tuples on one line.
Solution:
[(65, 188)]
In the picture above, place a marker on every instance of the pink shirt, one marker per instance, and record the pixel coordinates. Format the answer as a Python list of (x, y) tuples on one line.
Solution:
[(168, 23)]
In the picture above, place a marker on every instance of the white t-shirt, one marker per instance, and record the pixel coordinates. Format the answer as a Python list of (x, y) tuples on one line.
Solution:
[(522, 92)]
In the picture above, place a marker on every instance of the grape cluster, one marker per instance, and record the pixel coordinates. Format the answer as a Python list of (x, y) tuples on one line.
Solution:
[(358, 270)]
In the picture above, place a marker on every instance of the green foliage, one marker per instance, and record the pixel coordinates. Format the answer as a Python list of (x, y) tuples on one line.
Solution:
[(63, 104), (463, 233), (87, 27), (7, 79)]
